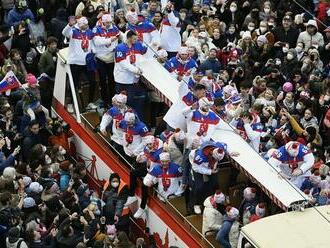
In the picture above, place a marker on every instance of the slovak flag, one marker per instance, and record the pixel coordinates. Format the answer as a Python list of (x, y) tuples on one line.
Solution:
[(9, 82)]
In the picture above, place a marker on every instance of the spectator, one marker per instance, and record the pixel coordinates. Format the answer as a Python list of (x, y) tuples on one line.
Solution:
[(311, 37), (19, 13)]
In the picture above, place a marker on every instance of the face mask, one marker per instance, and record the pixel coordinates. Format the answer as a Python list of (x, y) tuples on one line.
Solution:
[(233, 9), (263, 29), (285, 49), (266, 10), (115, 184), (299, 49), (298, 106), (250, 28), (63, 152), (326, 98), (44, 148), (278, 62), (48, 160), (289, 56)]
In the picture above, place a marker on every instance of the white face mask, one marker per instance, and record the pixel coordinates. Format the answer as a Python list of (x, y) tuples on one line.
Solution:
[(263, 29), (278, 62), (250, 28), (299, 49), (115, 184), (44, 148), (289, 56), (298, 106), (285, 49), (48, 160), (233, 9), (266, 10), (63, 152)]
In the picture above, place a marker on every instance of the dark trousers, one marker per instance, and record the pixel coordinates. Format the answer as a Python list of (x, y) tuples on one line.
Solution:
[(107, 81), (46, 92), (136, 96), (139, 172), (77, 72), (202, 189)]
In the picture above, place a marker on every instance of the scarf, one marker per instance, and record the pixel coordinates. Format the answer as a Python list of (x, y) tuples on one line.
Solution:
[(166, 181)]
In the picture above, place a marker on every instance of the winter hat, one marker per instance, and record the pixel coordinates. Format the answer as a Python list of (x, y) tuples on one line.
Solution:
[(236, 99), (218, 154), (106, 18), (31, 80), (292, 148), (262, 39), (183, 50), (260, 209), (287, 87), (246, 34), (9, 173), (111, 229), (113, 176), (164, 156), (129, 117), (121, 97), (35, 187), (179, 135), (82, 21), (29, 202), (228, 89), (219, 197), (132, 16), (249, 193), (162, 53), (13, 234), (312, 23), (232, 212), (27, 181)]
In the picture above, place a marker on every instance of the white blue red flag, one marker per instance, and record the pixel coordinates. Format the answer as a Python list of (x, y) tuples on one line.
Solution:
[(9, 82)]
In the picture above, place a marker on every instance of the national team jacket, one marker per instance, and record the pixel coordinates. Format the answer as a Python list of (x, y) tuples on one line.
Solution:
[(202, 160), (174, 65), (133, 142), (125, 60), (168, 179), (102, 39), (80, 44), (282, 161), (114, 115)]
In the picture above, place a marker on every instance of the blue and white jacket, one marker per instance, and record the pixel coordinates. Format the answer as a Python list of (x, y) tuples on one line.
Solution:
[(102, 40), (168, 179), (202, 160), (80, 44), (283, 162), (125, 62)]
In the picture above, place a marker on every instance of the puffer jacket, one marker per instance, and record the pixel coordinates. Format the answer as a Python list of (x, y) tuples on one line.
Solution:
[(16, 244), (311, 40), (175, 152), (212, 218)]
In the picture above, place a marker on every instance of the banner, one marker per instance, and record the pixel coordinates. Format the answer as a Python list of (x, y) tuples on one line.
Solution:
[(9, 82)]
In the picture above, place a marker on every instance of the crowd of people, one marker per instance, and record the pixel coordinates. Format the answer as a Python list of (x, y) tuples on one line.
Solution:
[(263, 67)]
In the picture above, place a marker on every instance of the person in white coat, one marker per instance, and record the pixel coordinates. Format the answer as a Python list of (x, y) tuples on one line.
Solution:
[(214, 209), (293, 161), (80, 45)]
